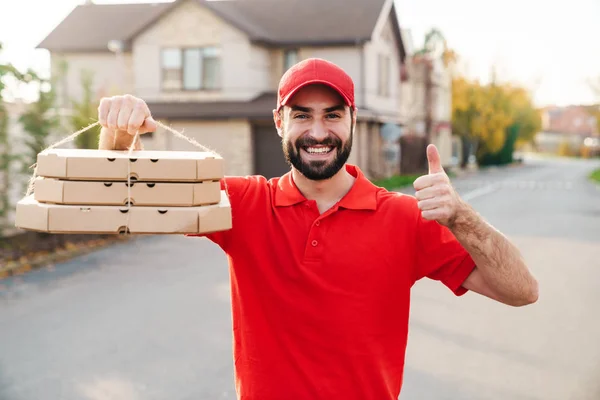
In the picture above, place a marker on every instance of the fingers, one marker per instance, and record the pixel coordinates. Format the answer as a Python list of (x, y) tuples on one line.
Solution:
[(113, 114), (125, 113), (122, 117), (430, 192), (436, 214), (137, 114), (426, 181), (103, 110), (149, 125), (434, 202)]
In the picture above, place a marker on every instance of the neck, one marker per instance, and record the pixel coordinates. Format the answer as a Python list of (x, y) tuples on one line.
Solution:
[(327, 192)]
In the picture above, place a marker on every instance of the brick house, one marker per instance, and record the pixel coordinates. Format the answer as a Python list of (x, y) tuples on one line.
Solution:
[(211, 68), (565, 129)]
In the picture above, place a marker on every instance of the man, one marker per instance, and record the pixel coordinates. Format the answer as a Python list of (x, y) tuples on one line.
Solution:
[(322, 261)]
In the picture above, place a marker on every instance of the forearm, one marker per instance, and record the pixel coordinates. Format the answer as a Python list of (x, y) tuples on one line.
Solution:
[(122, 142), (498, 260)]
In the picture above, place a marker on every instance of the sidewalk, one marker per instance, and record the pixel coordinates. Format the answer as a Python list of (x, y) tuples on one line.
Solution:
[(27, 251)]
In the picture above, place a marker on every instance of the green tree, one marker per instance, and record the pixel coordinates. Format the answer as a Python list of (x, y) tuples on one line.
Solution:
[(435, 45), (39, 121), (85, 111), (7, 73)]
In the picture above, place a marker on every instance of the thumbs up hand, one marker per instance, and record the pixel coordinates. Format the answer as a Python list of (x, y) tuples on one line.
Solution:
[(436, 197)]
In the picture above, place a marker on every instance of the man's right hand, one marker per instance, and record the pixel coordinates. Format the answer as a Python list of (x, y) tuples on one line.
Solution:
[(121, 117)]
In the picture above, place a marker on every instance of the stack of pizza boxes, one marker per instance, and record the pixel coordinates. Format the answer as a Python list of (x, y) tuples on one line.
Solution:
[(122, 192)]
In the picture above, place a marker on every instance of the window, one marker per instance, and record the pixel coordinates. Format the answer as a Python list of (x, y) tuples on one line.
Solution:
[(191, 68), (171, 67), (383, 87), (290, 58)]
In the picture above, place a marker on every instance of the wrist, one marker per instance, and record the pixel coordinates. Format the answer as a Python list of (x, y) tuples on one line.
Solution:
[(463, 217)]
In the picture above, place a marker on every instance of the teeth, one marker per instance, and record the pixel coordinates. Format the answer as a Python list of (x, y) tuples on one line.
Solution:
[(318, 150)]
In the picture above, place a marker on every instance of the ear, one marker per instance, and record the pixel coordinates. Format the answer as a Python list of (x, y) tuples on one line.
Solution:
[(354, 117), (278, 122)]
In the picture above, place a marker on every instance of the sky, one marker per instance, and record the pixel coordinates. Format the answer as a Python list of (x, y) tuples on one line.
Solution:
[(552, 48)]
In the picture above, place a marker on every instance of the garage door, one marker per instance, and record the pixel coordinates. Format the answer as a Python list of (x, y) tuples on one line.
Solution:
[(269, 160)]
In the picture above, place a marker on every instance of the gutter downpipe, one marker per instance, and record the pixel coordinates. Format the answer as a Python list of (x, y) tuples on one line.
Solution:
[(363, 95)]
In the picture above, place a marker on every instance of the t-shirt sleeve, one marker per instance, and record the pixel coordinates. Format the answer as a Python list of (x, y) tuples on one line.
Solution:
[(236, 188), (440, 256)]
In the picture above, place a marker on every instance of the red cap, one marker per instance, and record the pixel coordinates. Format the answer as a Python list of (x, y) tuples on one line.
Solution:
[(315, 70)]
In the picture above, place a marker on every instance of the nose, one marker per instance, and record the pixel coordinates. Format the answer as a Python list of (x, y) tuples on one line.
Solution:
[(318, 130)]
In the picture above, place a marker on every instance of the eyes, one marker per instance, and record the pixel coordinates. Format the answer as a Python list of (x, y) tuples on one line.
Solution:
[(331, 116)]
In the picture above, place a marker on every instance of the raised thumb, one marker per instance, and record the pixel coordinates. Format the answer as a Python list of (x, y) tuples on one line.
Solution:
[(433, 158)]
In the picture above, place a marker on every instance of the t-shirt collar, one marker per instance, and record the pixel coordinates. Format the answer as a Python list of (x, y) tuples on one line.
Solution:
[(362, 195)]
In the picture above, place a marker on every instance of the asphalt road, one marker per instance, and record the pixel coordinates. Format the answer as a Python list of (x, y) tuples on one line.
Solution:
[(151, 320)]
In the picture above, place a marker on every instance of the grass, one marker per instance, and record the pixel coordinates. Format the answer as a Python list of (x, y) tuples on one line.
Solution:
[(401, 181), (595, 175), (396, 181)]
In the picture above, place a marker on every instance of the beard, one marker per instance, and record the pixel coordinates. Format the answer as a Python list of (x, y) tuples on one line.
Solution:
[(317, 170)]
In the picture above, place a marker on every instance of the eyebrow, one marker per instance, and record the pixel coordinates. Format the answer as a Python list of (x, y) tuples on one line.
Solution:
[(338, 107)]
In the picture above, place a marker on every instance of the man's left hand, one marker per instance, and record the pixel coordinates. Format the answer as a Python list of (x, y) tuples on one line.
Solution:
[(436, 197)]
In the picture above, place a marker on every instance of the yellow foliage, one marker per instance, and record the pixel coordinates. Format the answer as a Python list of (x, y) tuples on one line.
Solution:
[(564, 149), (485, 112)]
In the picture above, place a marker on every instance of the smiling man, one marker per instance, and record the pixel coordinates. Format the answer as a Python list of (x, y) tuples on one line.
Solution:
[(322, 261)]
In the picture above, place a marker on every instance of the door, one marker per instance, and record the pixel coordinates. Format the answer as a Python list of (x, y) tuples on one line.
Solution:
[(269, 160)]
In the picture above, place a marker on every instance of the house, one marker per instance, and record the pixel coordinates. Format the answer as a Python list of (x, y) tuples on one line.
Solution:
[(565, 129), (426, 90), (211, 68)]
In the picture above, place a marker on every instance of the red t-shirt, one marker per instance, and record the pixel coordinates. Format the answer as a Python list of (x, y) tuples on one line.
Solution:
[(321, 302)]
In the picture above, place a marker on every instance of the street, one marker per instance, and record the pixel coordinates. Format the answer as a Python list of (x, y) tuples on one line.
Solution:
[(151, 319)]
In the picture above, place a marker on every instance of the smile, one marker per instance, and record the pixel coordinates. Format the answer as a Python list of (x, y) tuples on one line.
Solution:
[(318, 150)]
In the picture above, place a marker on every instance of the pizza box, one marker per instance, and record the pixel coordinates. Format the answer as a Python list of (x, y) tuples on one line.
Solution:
[(59, 218), (140, 165), (175, 194)]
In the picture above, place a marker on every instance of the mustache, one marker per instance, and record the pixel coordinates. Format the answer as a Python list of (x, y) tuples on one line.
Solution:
[(310, 141)]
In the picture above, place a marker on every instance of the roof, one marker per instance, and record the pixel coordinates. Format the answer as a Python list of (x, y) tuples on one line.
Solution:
[(89, 27), (260, 107), (86, 28)]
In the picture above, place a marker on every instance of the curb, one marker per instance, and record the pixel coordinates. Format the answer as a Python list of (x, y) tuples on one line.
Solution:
[(21, 267)]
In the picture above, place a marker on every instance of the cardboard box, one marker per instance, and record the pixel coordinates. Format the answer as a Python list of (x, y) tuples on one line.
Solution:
[(145, 165), (174, 194), (56, 218)]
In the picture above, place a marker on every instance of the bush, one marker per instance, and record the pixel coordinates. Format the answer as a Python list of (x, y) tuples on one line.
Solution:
[(396, 181), (595, 175)]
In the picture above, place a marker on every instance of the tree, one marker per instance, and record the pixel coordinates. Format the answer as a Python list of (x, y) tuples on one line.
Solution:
[(7, 73), (594, 110), (84, 113), (492, 119), (39, 121), (526, 117), (436, 46), (494, 116), (464, 112)]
